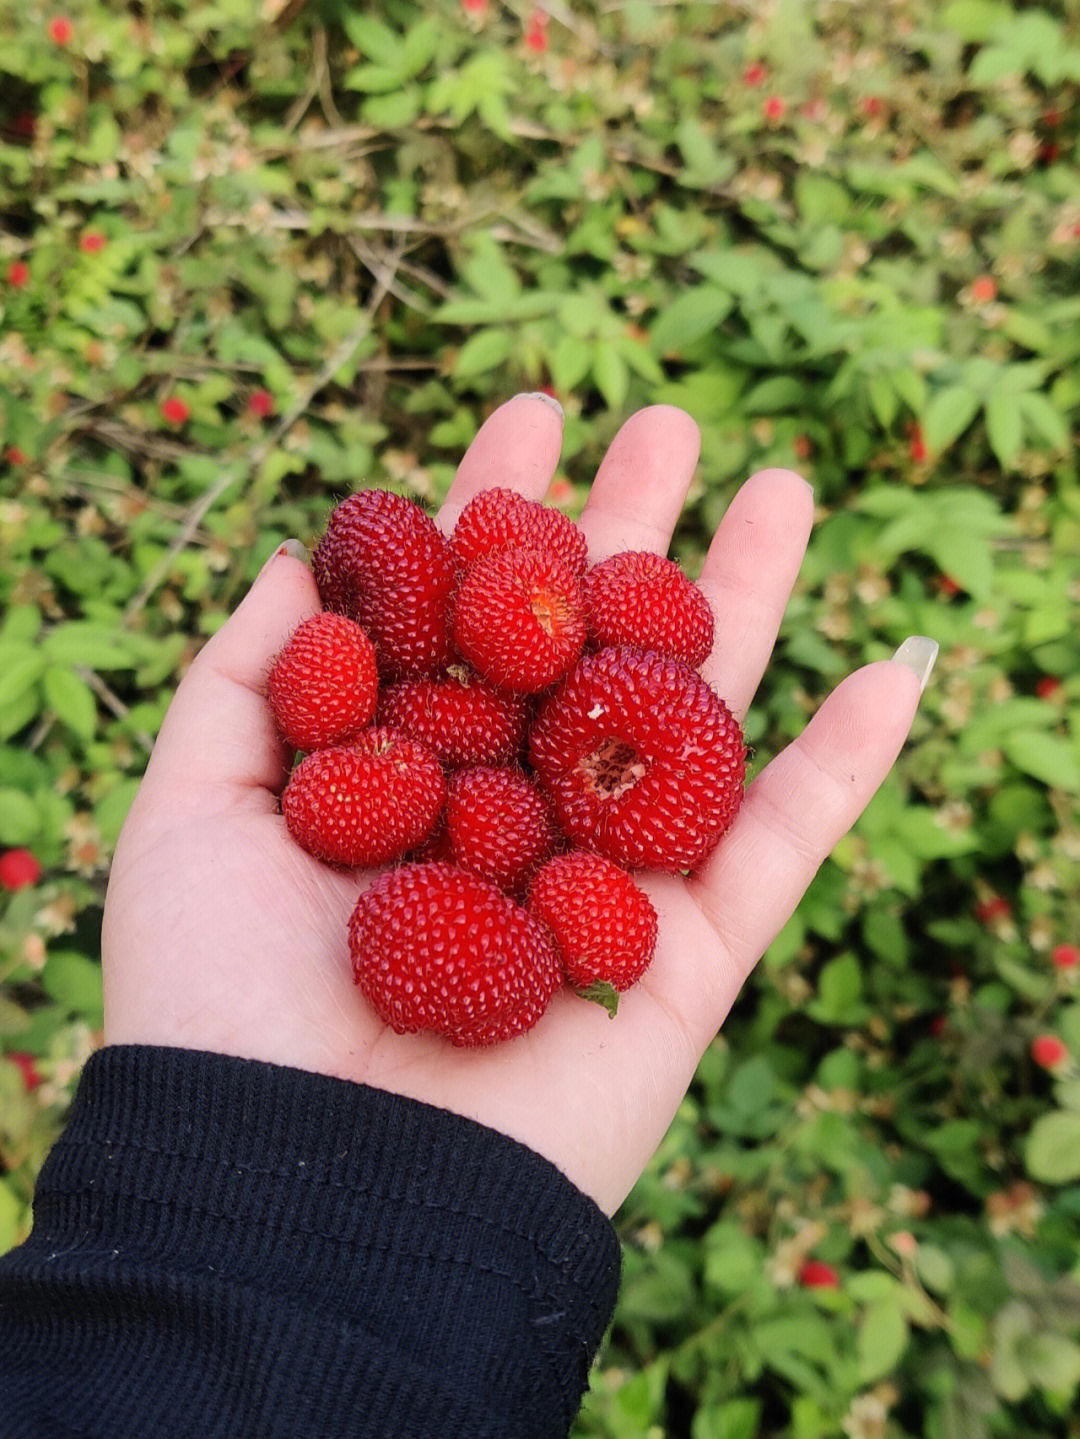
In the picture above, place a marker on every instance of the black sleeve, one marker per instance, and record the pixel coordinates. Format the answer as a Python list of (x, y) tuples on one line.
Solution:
[(228, 1248)]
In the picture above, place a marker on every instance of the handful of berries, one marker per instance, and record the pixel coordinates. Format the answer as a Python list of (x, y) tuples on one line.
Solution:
[(514, 731)]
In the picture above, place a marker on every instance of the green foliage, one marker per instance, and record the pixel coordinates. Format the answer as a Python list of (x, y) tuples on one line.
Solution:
[(846, 239)]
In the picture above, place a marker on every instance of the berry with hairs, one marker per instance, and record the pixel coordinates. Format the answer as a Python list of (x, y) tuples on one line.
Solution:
[(645, 601), (458, 717), (500, 519), (323, 686), (498, 824), (604, 924)]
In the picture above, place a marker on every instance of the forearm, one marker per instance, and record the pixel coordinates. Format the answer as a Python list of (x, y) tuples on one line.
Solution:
[(229, 1248)]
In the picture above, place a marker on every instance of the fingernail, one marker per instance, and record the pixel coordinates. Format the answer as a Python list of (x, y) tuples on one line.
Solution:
[(287, 547), (547, 399), (918, 653)]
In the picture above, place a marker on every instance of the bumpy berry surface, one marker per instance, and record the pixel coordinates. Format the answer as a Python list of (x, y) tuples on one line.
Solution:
[(645, 601), (604, 925), (519, 620), (367, 802), (435, 948), (458, 717), (323, 685), (499, 824), (641, 759), (501, 519), (383, 563)]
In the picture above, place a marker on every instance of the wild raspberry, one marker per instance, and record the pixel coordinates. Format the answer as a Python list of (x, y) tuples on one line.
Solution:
[(604, 925), (383, 563), (18, 275), (175, 411), (458, 717), (645, 601), (437, 949), (816, 1274), (323, 685), (501, 519), (19, 869), (92, 242), (1049, 1052), (642, 761), (498, 825), (61, 30), (519, 620), (367, 802), (260, 404), (1065, 956)]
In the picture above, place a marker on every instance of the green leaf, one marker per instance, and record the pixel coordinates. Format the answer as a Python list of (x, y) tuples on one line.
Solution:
[(85, 642), (602, 993), (75, 982), (1050, 1361), (735, 1419), (1046, 757), (71, 700), (21, 666), (1052, 1152), (20, 819), (839, 992), (1045, 419), (484, 351), (610, 373), (881, 1341), (690, 315), (1004, 427), (948, 415)]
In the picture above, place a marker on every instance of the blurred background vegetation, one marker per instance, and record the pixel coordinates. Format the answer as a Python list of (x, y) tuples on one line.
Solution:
[(254, 256)]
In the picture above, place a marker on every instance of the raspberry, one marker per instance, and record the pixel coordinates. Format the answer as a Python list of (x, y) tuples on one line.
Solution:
[(1065, 956), (323, 686), (500, 519), (604, 925), (367, 802), (383, 563), (499, 824), (1048, 1051), (643, 762), (437, 949), (645, 601), (816, 1274), (519, 619), (460, 719), (19, 869)]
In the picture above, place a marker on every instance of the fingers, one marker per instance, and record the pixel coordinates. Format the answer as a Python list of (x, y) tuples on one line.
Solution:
[(517, 447), (793, 814), (748, 575), (219, 730), (641, 484)]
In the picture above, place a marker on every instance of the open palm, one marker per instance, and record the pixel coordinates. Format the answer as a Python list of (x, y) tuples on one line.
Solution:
[(222, 935)]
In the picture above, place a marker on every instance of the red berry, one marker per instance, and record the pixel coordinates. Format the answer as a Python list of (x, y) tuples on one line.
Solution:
[(61, 30), (990, 911), (1048, 1051), (643, 762), (18, 275), (383, 563), (498, 824), (536, 32), (92, 242), (460, 719), (14, 456), (501, 519), (323, 686), (917, 445), (367, 802), (260, 404), (519, 620), (27, 1067), (437, 949), (774, 108), (1048, 687), (18, 869), (755, 74), (984, 289), (816, 1274), (1065, 956), (175, 410), (646, 602), (604, 925)]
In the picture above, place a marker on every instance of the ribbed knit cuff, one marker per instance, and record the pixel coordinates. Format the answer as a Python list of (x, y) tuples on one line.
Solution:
[(284, 1253)]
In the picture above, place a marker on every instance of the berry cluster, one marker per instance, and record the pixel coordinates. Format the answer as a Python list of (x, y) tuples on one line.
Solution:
[(515, 731)]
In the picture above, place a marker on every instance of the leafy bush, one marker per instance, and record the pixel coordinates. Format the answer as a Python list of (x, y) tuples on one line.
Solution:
[(249, 263)]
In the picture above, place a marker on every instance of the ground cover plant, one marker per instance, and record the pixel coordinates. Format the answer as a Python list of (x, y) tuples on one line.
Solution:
[(252, 258)]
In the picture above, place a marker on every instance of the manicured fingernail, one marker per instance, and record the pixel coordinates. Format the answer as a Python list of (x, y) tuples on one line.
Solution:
[(547, 399), (918, 653)]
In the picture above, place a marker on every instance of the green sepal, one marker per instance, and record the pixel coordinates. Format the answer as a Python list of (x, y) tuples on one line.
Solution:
[(603, 993)]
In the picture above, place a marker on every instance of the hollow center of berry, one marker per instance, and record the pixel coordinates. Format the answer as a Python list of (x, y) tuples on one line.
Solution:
[(613, 768), (549, 611)]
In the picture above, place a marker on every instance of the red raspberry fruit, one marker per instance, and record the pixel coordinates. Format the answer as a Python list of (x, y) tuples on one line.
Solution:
[(367, 802), (383, 563), (323, 686), (1049, 1052), (434, 948), (604, 925), (500, 519), (460, 719), (645, 601), (499, 824), (643, 762), (519, 620), (19, 869), (816, 1274)]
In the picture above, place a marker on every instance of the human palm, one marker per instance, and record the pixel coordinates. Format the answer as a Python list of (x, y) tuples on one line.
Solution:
[(222, 935)]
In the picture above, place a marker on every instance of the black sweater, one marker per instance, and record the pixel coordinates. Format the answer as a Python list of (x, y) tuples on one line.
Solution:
[(228, 1248)]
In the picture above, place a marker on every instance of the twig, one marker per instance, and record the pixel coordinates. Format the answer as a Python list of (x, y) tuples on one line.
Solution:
[(112, 702)]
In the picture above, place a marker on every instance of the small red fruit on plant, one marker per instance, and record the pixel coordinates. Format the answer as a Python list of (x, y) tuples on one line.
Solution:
[(437, 949), (92, 243), (19, 869), (18, 275), (367, 802), (536, 38), (383, 563), (1048, 687), (175, 410), (755, 74), (993, 910), (498, 824), (604, 925), (1049, 1052), (917, 445), (645, 601), (816, 1274), (501, 519), (774, 109), (14, 456), (984, 289), (642, 761), (27, 1067), (323, 686), (460, 719), (61, 30), (519, 620), (260, 404), (1065, 956)]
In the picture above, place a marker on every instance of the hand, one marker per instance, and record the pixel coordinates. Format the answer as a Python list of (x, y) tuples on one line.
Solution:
[(221, 934)]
